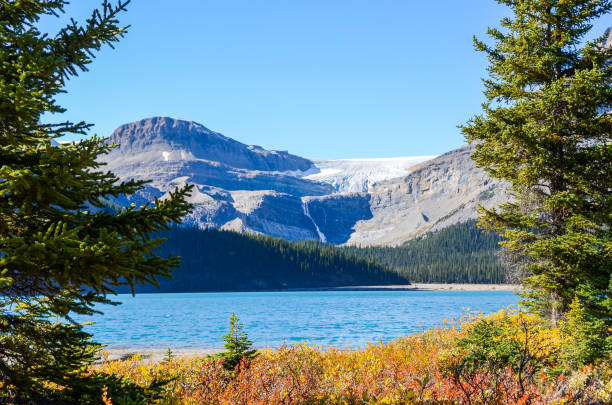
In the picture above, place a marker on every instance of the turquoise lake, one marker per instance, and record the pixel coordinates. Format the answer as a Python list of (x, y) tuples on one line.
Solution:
[(328, 318)]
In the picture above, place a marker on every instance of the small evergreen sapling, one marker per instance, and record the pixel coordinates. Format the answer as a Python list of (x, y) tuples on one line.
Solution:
[(169, 356), (237, 344)]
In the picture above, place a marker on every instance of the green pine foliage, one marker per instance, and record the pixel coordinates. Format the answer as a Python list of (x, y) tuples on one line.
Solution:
[(214, 260), (546, 129), (237, 344), (60, 253), (460, 253)]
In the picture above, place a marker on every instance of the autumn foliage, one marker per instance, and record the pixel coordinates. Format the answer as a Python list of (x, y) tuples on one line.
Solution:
[(506, 357)]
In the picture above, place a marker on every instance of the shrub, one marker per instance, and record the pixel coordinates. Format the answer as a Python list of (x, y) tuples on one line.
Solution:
[(588, 339), (507, 357), (500, 356)]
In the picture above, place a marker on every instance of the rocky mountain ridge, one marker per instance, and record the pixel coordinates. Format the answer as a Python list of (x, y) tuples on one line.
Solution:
[(176, 140), (249, 189)]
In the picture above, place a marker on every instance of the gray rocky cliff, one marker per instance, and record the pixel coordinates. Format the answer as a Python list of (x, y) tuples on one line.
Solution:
[(438, 193), (337, 215), (169, 139), (249, 189)]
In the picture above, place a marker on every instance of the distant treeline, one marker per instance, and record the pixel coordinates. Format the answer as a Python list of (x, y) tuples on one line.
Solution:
[(214, 260), (460, 253)]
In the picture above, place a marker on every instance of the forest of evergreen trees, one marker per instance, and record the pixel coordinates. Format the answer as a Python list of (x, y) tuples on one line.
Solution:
[(460, 253), (214, 260)]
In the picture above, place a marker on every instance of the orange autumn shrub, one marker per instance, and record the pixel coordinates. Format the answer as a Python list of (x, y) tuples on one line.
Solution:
[(507, 357)]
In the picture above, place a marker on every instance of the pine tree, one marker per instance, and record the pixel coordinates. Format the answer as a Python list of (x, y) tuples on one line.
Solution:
[(237, 344), (61, 251), (546, 129)]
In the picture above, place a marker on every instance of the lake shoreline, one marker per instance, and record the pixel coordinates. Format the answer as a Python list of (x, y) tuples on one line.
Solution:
[(419, 287), (193, 324), (150, 354), (393, 287)]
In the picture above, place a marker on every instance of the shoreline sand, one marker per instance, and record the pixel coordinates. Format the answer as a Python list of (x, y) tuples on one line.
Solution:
[(420, 287), (150, 354)]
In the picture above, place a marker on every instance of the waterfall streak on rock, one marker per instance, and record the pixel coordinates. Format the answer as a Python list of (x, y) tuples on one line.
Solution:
[(307, 213)]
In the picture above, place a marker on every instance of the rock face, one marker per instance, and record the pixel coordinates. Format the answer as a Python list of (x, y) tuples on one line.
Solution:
[(169, 151), (337, 215), (438, 193), (250, 189), (173, 140)]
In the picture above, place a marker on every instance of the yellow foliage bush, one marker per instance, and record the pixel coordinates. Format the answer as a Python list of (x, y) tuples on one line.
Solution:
[(409, 370)]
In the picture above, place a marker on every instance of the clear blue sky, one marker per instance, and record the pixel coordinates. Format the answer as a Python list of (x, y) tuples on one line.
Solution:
[(320, 78)]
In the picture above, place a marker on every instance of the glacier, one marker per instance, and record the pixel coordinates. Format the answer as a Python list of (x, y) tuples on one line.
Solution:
[(359, 175)]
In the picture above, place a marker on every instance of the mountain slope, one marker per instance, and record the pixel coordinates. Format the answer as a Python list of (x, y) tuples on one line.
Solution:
[(173, 140), (249, 189), (436, 194)]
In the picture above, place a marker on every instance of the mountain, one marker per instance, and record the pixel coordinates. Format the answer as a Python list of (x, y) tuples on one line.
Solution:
[(436, 194), (173, 140), (169, 151), (246, 188)]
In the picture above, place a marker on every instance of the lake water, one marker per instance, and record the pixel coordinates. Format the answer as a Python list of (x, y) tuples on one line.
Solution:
[(327, 318)]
